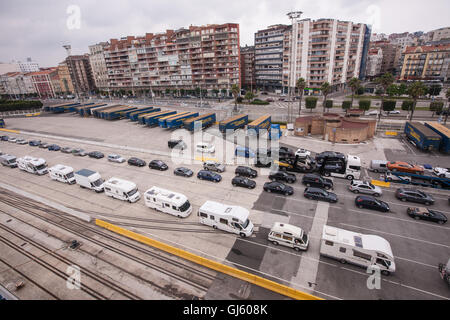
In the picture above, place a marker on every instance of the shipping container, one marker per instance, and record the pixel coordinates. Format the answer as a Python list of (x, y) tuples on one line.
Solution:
[(262, 123), (177, 121), (206, 120), (444, 133), (233, 123), (423, 137)]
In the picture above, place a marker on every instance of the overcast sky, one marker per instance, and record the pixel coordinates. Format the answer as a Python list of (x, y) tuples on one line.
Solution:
[(39, 28)]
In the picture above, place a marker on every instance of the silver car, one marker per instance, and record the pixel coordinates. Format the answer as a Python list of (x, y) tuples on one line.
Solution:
[(21, 141), (12, 140), (358, 186), (213, 166), (79, 153), (115, 158)]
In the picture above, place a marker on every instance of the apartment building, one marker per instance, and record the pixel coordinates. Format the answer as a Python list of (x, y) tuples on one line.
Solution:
[(325, 50), (98, 65), (65, 79), (248, 67), (43, 83), (441, 34), (374, 62), (269, 45), (28, 66), (426, 63), (205, 57), (16, 84), (81, 73), (390, 54)]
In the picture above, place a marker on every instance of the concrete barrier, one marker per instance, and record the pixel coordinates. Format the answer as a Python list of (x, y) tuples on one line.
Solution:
[(381, 183), (12, 131)]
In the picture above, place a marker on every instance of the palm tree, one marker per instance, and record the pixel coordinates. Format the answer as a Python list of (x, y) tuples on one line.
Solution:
[(415, 91), (301, 85), (385, 81), (447, 95), (235, 91), (326, 90), (354, 85)]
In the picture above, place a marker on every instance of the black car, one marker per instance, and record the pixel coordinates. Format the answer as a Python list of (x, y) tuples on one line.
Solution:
[(369, 202), (243, 182), (282, 152), (320, 195), (283, 176), (278, 187), (414, 195), (245, 172), (177, 144), (209, 176), (183, 172), (4, 138), (54, 147), (35, 143), (158, 165), (314, 180), (330, 156), (96, 154), (427, 214), (136, 162)]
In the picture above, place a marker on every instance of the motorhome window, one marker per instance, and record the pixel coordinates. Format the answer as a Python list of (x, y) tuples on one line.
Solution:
[(245, 224), (42, 166), (185, 206), (276, 235), (174, 208), (203, 215), (287, 238), (382, 165), (132, 192), (237, 225), (224, 221), (358, 241), (362, 255), (70, 175), (108, 189), (166, 205), (343, 250), (329, 243), (212, 217)]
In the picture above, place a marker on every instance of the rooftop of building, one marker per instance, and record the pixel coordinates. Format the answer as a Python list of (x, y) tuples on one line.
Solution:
[(427, 48)]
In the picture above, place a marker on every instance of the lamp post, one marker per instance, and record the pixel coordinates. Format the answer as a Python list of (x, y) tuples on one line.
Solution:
[(293, 16)]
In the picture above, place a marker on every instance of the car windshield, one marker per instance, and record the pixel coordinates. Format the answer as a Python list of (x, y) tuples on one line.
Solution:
[(98, 183), (42, 166), (132, 192), (185, 206), (305, 237), (69, 175), (371, 186), (245, 224)]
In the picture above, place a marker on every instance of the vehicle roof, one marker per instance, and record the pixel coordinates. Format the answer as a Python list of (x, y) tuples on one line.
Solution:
[(369, 242), (314, 189), (7, 156), (234, 118), (284, 227), (124, 184), (34, 161), (64, 169), (365, 197), (226, 210), (85, 172), (177, 198)]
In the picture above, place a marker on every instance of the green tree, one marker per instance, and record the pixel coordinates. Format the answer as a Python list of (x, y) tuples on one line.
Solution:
[(385, 81), (402, 89), (388, 105), (311, 103), (354, 84), (301, 85), (235, 92), (392, 90), (216, 92), (325, 88), (329, 104), (249, 96), (415, 91), (436, 106), (407, 105), (346, 105), (434, 90), (224, 92), (364, 104)]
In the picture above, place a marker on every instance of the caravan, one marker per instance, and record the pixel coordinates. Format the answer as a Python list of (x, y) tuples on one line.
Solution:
[(32, 165), (359, 249), (62, 173), (288, 235), (167, 201), (122, 190), (228, 218)]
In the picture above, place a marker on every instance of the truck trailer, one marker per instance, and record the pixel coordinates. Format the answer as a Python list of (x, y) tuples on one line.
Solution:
[(2, 123), (61, 108), (206, 120), (134, 114), (162, 122), (96, 111), (84, 110), (262, 124), (177, 121), (422, 137), (444, 132), (118, 113), (152, 120), (233, 123)]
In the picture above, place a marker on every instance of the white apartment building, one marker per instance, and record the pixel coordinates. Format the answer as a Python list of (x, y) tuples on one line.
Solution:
[(28, 66), (16, 84), (98, 65), (374, 62)]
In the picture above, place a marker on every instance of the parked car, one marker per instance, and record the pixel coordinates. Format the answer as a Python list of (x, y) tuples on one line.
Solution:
[(177, 144), (34, 143), (158, 165), (369, 202), (66, 150), (442, 172), (243, 182), (283, 176), (4, 138), (213, 166), (372, 113), (314, 180), (54, 147), (283, 153), (269, 100), (79, 153), (404, 167), (12, 140), (136, 162), (393, 112), (96, 155), (21, 141), (183, 172), (242, 171), (393, 178), (44, 145), (116, 158), (414, 195), (358, 186), (278, 187), (302, 153), (320, 195), (209, 176), (427, 214), (378, 166)]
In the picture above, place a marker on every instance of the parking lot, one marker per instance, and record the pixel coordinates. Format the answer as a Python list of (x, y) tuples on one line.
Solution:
[(418, 246)]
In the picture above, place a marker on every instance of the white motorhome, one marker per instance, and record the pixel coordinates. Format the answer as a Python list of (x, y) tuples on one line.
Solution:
[(228, 218), (122, 190), (352, 169), (90, 180), (288, 235), (359, 249), (62, 173), (167, 201), (32, 165)]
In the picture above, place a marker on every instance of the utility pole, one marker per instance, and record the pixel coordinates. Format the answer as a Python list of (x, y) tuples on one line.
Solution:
[(293, 16)]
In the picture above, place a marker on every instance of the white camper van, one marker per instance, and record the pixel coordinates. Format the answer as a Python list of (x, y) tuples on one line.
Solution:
[(232, 219), (8, 160), (288, 235), (167, 201), (32, 165), (122, 190), (359, 249), (62, 173), (90, 180)]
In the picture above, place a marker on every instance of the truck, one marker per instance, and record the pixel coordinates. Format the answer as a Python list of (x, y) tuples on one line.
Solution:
[(229, 218), (169, 202), (152, 119), (33, 165), (275, 132), (122, 189), (162, 122), (358, 249), (177, 122), (339, 166), (62, 173), (444, 132), (233, 123), (418, 180), (84, 111), (2, 123), (116, 113), (206, 121), (134, 114), (422, 137), (298, 164), (59, 108), (260, 125), (88, 179)]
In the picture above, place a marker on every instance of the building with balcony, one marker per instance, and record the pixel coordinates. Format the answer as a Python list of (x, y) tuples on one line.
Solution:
[(81, 73), (43, 82), (98, 65), (426, 63), (248, 67), (374, 62), (65, 79), (16, 84)]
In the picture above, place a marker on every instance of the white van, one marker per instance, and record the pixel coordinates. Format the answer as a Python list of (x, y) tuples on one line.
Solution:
[(205, 148), (288, 235), (359, 249), (8, 160), (122, 190), (378, 166), (32, 165), (89, 179), (167, 201), (228, 218), (62, 173)]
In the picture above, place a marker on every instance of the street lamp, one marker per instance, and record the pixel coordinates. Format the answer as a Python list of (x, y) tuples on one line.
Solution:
[(293, 16)]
